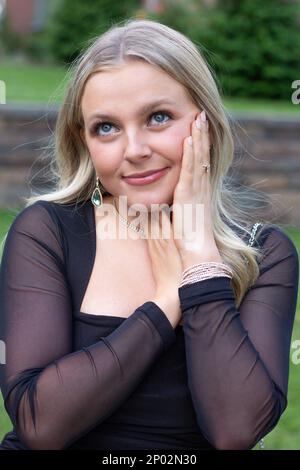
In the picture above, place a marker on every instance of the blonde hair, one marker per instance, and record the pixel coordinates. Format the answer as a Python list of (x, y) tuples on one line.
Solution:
[(171, 51)]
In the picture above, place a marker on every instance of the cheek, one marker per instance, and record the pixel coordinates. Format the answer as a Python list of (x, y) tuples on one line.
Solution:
[(105, 162), (176, 137)]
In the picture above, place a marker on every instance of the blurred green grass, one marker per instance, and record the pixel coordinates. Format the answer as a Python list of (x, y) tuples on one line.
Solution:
[(46, 84), (286, 435), (6, 219), (32, 82)]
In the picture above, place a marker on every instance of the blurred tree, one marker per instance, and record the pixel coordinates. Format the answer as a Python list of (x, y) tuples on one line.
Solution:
[(74, 22), (255, 45), (252, 47)]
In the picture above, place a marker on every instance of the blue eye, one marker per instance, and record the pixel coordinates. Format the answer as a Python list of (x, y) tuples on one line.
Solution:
[(104, 125), (161, 113)]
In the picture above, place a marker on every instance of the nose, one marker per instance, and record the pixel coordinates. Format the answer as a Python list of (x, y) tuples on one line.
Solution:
[(136, 147)]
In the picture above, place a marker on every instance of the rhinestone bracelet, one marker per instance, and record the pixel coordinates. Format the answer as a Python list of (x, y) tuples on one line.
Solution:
[(202, 271), (205, 266)]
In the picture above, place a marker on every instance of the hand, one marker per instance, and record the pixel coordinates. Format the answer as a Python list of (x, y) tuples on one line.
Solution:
[(194, 190), (166, 262)]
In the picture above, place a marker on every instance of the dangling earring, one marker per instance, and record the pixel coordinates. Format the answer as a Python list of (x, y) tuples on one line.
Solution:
[(97, 196)]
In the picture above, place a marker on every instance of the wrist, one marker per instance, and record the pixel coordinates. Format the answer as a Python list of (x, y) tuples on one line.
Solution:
[(190, 258), (170, 306)]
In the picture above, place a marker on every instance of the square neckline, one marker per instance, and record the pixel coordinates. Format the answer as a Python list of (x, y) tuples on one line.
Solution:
[(93, 316)]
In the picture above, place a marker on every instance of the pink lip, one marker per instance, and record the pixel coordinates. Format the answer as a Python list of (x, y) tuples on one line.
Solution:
[(135, 181)]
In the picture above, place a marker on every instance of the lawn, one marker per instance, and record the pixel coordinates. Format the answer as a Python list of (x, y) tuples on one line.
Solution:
[(286, 435), (46, 83), (32, 82), (6, 219)]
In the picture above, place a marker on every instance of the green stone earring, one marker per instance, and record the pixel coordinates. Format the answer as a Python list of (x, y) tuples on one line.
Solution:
[(97, 196)]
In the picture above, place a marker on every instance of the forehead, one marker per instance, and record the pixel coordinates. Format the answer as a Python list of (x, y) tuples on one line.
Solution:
[(135, 82)]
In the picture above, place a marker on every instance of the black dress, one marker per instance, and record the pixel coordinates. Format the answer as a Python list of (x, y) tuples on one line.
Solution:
[(79, 381)]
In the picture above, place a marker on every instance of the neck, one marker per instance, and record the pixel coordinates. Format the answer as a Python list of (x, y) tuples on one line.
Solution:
[(144, 215)]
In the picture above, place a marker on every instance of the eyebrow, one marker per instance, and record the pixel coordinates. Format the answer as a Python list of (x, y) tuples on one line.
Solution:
[(143, 110)]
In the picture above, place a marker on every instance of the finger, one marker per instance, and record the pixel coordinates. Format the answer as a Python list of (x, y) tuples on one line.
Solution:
[(197, 134), (187, 163), (202, 149), (167, 228), (157, 226), (205, 140), (161, 224)]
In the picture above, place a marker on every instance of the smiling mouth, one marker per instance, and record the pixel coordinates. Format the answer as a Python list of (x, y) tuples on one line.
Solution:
[(145, 173), (141, 180)]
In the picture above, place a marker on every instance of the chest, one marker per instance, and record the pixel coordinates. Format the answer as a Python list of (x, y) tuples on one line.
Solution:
[(121, 278)]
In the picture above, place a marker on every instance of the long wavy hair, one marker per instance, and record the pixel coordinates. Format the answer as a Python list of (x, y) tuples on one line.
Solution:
[(73, 175)]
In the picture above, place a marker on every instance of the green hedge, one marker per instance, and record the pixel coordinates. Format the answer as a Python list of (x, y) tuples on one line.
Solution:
[(253, 46), (74, 22)]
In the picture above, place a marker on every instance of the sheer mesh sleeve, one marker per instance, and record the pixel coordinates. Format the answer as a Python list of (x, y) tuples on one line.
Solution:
[(238, 359), (55, 395)]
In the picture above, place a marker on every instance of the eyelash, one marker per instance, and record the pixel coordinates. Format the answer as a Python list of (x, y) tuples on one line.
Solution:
[(96, 126)]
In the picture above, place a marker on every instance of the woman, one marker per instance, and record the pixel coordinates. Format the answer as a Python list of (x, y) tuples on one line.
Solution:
[(143, 342)]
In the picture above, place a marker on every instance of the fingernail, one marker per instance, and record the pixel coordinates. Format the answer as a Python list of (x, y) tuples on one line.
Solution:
[(190, 140), (198, 123), (203, 116)]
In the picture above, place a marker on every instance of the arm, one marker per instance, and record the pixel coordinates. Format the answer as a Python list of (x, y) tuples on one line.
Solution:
[(238, 359), (53, 394)]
